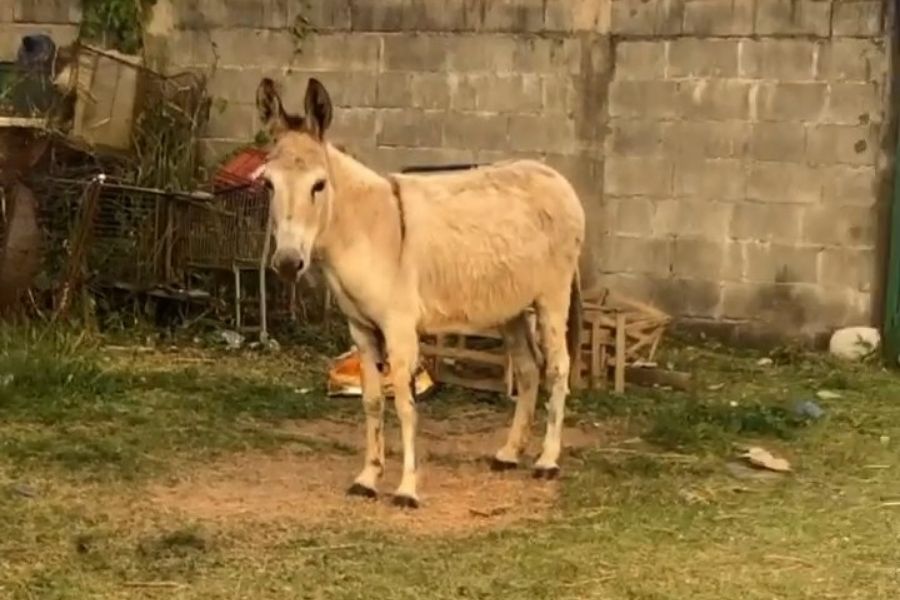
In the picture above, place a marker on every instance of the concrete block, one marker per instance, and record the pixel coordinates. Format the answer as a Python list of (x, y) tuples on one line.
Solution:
[(640, 60), (509, 93), (185, 48), (632, 216), (429, 91), (473, 130), (758, 222), (702, 139), (377, 15), (480, 53), (234, 121), (239, 85), (415, 52), (791, 101), (205, 15), (854, 104), (256, 48), (853, 59), (781, 59), (644, 99), (48, 12), (842, 144), (858, 18), (534, 54), (848, 268), (7, 12), (844, 184), (639, 17), (638, 177), (717, 179), (703, 58), (517, 16), (636, 137), (322, 15), (714, 99), (718, 17), (698, 258), (797, 17), (628, 254), (338, 51), (784, 142), (463, 90), (539, 134), (735, 261), (393, 89), (584, 173), (558, 94), (410, 128), (777, 263), (843, 226), (689, 298), (784, 182), (578, 15), (355, 127), (694, 218), (422, 15)]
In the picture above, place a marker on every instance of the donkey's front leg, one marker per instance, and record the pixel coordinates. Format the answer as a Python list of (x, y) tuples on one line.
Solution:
[(366, 484), (403, 353)]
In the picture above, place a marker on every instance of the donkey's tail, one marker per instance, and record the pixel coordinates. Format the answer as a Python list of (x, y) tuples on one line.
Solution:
[(574, 321)]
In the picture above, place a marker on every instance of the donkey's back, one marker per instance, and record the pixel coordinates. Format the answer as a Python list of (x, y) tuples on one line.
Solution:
[(488, 242)]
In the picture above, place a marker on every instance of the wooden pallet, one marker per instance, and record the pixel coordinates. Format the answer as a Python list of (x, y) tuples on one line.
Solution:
[(478, 362), (617, 333)]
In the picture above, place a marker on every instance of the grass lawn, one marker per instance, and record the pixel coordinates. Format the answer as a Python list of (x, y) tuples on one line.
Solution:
[(128, 472)]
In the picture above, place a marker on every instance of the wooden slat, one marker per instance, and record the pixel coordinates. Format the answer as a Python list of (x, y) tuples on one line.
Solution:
[(620, 354), (484, 384), (464, 354)]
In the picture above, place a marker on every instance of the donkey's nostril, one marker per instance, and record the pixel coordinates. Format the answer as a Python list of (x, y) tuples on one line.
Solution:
[(288, 264)]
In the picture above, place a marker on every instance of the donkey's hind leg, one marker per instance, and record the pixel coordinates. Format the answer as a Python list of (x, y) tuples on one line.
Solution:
[(518, 338), (552, 312), (366, 483)]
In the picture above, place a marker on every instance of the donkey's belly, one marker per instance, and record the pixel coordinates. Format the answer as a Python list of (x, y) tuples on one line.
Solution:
[(472, 304)]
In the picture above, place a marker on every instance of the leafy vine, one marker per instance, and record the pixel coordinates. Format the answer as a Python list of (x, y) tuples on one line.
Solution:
[(116, 24)]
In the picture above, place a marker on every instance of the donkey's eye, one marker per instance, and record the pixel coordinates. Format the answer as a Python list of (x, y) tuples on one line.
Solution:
[(318, 187), (268, 185)]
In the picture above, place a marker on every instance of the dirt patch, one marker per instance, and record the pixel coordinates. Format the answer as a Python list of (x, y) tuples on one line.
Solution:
[(459, 493)]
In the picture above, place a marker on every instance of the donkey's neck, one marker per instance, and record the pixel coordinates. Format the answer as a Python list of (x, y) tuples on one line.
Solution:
[(363, 207)]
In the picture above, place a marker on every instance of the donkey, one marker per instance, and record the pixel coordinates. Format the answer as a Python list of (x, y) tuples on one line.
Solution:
[(404, 255)]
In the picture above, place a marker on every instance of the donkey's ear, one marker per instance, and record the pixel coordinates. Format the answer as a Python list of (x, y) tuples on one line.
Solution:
[(271, 111), (318, 108)]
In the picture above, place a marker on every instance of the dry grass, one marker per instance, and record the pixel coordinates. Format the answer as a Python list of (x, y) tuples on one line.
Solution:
[(105, 457)]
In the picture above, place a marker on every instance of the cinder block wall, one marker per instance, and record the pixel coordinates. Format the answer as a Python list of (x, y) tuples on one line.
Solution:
[(746, 163), (733, 155)]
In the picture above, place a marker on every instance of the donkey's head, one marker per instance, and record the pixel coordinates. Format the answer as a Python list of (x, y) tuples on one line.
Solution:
[(297, 174)]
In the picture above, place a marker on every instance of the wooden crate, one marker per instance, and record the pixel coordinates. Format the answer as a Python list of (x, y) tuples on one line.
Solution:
[(478, 362), (617, 332)]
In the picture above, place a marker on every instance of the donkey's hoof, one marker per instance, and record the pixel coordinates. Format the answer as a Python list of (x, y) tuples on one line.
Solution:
[(502, 465), (547, 473), (358, 489), (406, 501)]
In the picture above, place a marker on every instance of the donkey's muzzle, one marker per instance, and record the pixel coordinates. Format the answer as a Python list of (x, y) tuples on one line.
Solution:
[(289, 264)]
